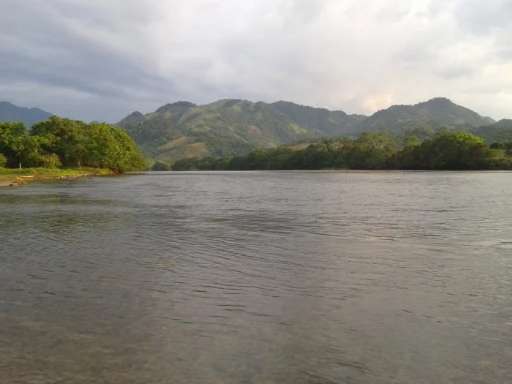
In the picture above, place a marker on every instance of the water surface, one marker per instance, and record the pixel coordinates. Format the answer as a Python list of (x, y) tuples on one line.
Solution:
[(258, 277)]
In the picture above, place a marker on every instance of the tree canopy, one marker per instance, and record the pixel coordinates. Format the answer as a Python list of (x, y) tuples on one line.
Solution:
[(446, 150), (60, 142), (449, 150)]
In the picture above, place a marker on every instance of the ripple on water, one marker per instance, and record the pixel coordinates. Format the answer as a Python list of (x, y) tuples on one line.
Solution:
[(264, 277)]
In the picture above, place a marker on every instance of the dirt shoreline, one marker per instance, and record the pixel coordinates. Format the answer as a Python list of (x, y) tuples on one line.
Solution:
[(12, 179)]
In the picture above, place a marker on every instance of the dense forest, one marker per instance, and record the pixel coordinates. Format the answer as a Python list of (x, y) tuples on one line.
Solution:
[(59, 142), (446, 150)]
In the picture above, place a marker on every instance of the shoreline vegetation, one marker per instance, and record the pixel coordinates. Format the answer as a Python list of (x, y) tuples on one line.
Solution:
[(19, 177), (63, 149), (446, 150)]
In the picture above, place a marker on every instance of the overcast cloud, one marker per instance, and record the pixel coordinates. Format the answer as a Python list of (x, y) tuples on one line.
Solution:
[(101, 59)]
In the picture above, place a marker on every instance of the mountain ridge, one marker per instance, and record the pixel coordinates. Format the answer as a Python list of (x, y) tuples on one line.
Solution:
[(435, 113), (498, 132), (235, 126), (231, 126), (28, 116)]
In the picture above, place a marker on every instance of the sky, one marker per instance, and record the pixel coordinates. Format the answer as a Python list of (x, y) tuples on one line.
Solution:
[(102, 59)]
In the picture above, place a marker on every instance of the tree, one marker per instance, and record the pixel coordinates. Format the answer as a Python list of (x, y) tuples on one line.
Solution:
[(95, 145), (64, 137), (111, 147), (447, 150), (372, 151), (50, 161), (12, 138)]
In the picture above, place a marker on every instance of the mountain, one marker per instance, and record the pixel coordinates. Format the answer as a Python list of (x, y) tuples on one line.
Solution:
[(28, 116), (321, 121), (499, 132), (430, 115), (225, 127)]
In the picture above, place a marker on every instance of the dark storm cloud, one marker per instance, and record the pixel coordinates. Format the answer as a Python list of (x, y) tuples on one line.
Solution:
[(68, 61), (95, 59)]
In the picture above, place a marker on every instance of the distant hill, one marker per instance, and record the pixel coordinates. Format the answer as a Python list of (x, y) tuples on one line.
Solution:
[(28, 116), (430, 115), (499, 132), (186, 130)]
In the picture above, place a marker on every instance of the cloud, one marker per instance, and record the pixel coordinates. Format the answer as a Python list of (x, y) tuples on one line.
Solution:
[(93, 59)]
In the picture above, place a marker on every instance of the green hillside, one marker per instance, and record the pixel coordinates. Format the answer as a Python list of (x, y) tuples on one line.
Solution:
[(428, 116), (228, 127), (185, 130), (500, 132)]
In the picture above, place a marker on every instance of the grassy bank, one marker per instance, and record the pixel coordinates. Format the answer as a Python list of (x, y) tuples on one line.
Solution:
[(16, 177)]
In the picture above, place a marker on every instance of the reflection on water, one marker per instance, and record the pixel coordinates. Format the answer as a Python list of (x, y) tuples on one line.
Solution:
[(318, 277)]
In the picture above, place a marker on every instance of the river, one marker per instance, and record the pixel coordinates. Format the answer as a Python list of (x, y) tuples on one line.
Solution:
[(258, 277)]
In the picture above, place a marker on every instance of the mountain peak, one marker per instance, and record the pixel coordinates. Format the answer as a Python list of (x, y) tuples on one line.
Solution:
[(179, 105), (231, 127), (434, 114), (136, 114), (236, 126), (133, 118), (438, 101)]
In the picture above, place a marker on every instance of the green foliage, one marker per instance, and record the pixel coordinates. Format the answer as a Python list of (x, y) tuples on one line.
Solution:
[(206, 163), (60, 142), (424, 118), (372, 151), (11, 137), (451, 150), (230, 128), (3, 160), (236, 127), (445, 151), (160, 166), (507, 147), (500, 132), (50, 160), (67, 138), (110, 147)]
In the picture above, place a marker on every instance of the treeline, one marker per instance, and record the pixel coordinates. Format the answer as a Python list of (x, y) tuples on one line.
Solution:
[(444, 151), (59, 142)]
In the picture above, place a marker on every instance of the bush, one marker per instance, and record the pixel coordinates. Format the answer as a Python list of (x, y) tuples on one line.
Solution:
[(3, 161)]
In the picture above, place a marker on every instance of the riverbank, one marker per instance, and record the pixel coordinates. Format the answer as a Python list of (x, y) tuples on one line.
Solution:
[(16, 177)]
